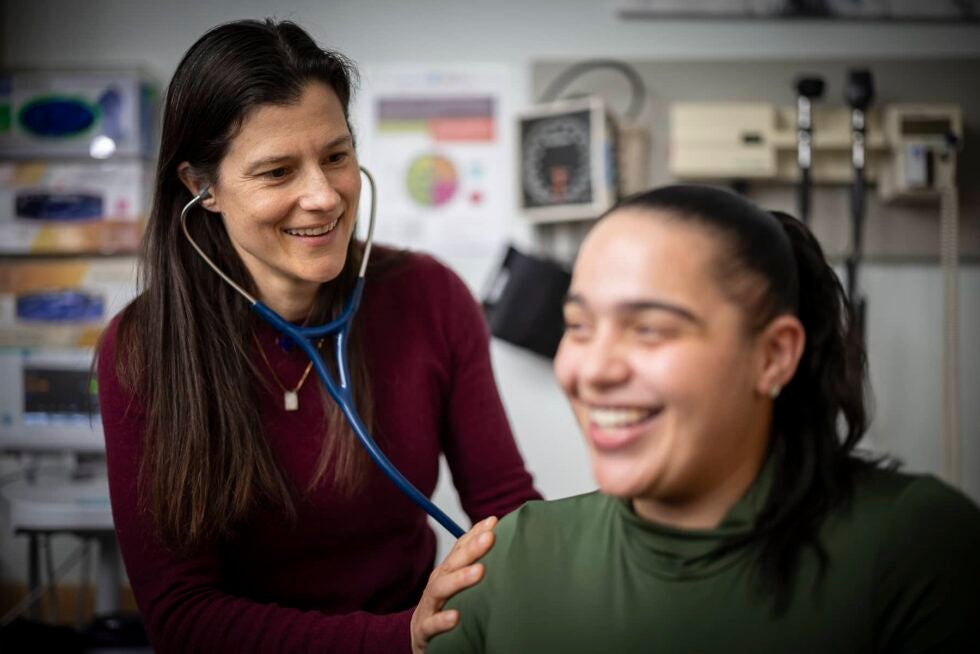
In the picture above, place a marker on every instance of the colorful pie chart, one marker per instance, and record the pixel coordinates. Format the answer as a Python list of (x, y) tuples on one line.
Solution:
[(432, 180)]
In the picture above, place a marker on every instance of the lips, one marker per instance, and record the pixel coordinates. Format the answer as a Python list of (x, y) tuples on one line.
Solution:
[(616, 418), (319, 230), (612, 428)]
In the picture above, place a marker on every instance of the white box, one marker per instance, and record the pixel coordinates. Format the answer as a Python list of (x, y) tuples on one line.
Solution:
[(39, 192), (76, 114), (62, 302)]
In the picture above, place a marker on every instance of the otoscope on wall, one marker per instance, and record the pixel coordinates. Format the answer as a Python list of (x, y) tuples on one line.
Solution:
[(808, 89), (858, 94)]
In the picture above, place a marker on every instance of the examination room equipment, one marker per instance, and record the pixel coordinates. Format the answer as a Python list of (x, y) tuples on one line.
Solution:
[(306, 337), (906, 152), (859, 94), (577, 157), (524, 303), (809, 89)]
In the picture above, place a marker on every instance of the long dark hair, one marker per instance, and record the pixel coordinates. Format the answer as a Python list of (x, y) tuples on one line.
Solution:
[(771, 264), (185, 344)]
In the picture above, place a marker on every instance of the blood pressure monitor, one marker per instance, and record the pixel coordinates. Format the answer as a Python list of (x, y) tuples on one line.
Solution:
[(567, 156)]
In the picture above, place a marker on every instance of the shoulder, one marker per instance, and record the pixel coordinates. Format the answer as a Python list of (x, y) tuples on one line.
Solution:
[(928, 539), (107, 349), (904, 525), (546, 514), (412, 268), (925, 515), (413, 288), (919, 496), (915, 509), (925, 570), (114, 348), (532, 545), (548, 525)]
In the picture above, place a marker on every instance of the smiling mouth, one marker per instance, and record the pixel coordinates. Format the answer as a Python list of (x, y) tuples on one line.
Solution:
[(314, 231), (620, 417)]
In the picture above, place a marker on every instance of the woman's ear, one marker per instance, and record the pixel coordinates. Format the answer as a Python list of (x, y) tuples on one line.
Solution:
[(781, 345), (194, 184)]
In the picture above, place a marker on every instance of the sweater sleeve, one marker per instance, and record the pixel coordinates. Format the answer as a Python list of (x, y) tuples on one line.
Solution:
[(927, 573), (182, 598), (487, 468)]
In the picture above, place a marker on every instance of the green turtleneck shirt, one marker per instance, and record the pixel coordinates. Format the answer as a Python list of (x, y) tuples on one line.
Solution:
[(586, 574)]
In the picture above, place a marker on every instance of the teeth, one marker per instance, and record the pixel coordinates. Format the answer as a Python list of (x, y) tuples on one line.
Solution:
[(315, 231), (615, 418)]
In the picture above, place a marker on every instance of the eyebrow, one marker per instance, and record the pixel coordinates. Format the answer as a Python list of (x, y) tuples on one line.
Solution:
[(277, 158), (642, 305)]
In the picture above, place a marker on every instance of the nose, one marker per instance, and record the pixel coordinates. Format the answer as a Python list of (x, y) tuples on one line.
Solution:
[(319, 193), (604, 360)]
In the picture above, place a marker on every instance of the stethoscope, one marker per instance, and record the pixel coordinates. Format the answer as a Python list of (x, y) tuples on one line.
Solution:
[(339, 389)]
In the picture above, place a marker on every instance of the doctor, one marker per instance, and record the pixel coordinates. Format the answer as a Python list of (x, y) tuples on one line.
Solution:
[(248, 516)]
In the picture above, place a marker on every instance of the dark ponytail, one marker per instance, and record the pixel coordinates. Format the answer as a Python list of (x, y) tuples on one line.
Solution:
[(818, 419), (773, 265)]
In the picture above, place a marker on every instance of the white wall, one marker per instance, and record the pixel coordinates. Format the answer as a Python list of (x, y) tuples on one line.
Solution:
[(904, 306)]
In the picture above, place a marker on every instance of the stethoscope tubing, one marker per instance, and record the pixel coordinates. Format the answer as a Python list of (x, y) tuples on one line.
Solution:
[(340, 391), (339, 328)]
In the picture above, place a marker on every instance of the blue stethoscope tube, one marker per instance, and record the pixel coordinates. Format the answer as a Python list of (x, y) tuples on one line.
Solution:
[(338, 389)]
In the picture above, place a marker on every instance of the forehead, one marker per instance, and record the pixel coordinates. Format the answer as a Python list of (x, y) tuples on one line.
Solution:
[(317, 115), (635, 254)]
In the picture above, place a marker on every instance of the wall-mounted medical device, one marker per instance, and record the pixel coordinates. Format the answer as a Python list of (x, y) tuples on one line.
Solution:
[(923, 139), (567, 160), (50, 400), (753, 141), (76, 114), (576, 156), (722, 141)]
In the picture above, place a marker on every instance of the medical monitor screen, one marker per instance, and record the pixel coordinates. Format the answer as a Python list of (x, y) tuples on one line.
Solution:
[(59, 396)]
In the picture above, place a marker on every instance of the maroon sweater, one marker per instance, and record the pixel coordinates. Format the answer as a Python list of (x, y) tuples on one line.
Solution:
[(346, 576)]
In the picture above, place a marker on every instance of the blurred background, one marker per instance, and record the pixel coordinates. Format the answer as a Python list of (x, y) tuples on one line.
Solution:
[(498, 132)]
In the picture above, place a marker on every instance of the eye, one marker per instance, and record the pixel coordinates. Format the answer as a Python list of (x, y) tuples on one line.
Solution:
[(338, 157), (276, 173), (576, 326), (650, 332)]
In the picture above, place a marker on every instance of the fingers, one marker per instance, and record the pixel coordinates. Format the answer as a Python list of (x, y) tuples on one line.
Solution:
[(471, 546), (438, 623), (444, 586), (458, 571)]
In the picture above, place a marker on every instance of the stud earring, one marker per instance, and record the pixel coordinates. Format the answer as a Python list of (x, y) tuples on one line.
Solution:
[(774, 392)]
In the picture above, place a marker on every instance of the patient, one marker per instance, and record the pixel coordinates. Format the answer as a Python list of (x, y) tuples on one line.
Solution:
[(711, 360)]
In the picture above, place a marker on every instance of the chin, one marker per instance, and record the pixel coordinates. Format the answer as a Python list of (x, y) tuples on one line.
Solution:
[(620, 479), (323, 275)]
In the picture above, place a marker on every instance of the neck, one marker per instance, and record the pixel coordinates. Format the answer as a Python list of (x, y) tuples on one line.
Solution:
[(709, 499), (703, 511), (291, 301)]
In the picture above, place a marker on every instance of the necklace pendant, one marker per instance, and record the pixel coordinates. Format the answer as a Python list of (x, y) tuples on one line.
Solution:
[(290, 400)]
